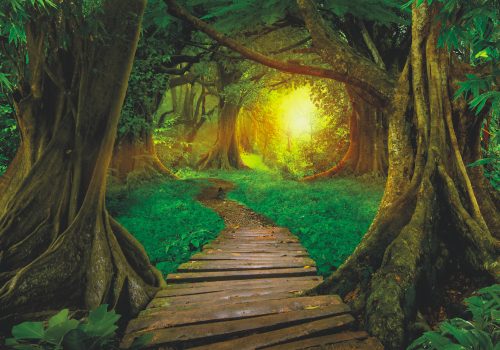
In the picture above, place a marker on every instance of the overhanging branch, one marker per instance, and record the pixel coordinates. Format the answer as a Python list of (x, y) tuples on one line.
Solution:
[(342, 75)]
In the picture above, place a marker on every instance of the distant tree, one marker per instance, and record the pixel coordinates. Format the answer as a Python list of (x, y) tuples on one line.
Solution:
[(225, 154)]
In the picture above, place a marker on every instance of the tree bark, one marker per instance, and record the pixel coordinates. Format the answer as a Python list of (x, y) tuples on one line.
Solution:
[(429, 224), (135, 159), (58, 245), (225, 154)]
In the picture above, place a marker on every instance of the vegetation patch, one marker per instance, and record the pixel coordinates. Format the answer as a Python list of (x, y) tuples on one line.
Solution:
[(167, 219)]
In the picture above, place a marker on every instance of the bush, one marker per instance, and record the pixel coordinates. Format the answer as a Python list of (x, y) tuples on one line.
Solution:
[(482, 333)]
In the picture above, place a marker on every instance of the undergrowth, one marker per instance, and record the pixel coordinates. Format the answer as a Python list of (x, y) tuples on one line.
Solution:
[(329, 217), (167, 219)]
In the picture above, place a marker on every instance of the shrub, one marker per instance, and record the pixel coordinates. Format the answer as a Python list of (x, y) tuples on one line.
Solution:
[(96, 332)]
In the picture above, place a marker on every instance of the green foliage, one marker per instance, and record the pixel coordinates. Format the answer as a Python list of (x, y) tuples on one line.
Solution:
[(147, 83), (329, 217), (96, 332), (167, 220), (232, 16), (472, 31), (491, 152), (9, 136), (482, 333)]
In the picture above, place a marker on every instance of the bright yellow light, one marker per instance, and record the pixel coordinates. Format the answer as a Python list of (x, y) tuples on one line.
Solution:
[(298, 111)]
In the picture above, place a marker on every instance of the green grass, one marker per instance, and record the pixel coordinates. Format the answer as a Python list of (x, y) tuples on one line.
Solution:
[(166, 218), (329, 217)]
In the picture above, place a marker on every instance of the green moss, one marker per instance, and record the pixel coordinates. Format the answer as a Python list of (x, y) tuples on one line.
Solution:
[(329, 217), (167, 219)]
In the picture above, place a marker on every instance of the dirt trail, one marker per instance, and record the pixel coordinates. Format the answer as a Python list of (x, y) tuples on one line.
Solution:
[(234, 214)]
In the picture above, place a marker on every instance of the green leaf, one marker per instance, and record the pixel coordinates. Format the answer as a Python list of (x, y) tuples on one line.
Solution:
[(57, 332), (483, 161), (59, 318), (141, 342), (100, 325), (28, 330)]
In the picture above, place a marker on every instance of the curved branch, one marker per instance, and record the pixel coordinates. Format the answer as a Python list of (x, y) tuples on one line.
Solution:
[(345, 66), (362, 72)]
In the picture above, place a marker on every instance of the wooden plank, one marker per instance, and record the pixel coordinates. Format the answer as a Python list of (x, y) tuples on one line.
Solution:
[(256, 249), (176, 307), (258, 239), (250, 256), (208, 287), (321, 341), (245, 259), (230, 295), (265, 240), (262, 340), (208, 332), (164, 318), (238, 275), (235, 265), (258, 245)]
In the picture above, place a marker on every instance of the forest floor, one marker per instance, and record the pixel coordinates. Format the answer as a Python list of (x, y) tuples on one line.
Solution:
[(244, 290), (329, 217)]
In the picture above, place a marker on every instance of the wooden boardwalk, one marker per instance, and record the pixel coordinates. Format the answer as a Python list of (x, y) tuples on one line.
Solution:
[(243, 291)]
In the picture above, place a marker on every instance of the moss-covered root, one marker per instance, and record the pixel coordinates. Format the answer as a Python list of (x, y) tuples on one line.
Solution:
[(94, 261)]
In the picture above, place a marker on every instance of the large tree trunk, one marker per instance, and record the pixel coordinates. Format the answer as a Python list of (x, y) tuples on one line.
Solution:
[(135, 157), (58, 245), (429, 224), (225, 154), (367, 152), (134, 154)]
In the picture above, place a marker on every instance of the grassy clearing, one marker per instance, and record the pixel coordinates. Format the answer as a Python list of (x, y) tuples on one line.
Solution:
[(329, 217), (167, 219)]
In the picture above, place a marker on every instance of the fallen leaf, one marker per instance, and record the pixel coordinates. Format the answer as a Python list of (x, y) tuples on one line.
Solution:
[(312, 307), (307, 267)]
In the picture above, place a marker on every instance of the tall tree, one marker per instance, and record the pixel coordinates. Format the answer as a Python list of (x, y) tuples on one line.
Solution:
[(225, 154), (429, 224), (60, 248)]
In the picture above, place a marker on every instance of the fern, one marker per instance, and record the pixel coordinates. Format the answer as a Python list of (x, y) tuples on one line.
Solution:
[(482, 333)]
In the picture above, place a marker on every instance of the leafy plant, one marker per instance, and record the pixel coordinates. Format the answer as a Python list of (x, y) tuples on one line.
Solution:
[(97, 331), (482, 333), (166, 218)]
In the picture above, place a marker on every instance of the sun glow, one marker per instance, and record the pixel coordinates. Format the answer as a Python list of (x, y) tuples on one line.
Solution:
[(298, 111)]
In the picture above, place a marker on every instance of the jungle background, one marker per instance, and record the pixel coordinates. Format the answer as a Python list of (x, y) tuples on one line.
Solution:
[(308, 151)]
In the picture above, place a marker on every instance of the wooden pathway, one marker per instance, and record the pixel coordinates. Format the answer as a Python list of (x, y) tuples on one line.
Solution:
[(243, 291)]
